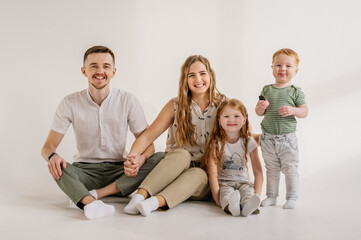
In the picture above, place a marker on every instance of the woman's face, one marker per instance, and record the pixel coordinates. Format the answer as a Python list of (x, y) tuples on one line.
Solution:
[(198, 79)]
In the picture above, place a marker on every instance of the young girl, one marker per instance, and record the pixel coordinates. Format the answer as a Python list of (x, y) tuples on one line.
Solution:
[(230, 159)]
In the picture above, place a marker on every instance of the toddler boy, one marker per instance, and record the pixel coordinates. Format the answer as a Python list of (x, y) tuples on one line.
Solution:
[(280, 103)]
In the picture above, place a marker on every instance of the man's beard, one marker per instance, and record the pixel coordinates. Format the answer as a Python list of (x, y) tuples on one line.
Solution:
[(99, 88)]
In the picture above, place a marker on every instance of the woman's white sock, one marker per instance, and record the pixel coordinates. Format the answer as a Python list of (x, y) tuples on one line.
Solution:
[(251, 205), (131, 207), (233, 205), (98, 209), (147, 206)]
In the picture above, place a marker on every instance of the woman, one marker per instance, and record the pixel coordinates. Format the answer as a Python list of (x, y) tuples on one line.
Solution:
[(189, 118)]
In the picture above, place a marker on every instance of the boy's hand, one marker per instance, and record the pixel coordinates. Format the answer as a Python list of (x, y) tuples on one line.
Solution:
[(261, 107), (263, 104), (286, 111)]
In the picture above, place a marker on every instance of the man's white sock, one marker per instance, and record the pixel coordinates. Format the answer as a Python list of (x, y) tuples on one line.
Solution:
[(251, 205), (98, 209), (131, 207), (233, 205), (290, 204), (94, 194), (147, 206), (269, 201)]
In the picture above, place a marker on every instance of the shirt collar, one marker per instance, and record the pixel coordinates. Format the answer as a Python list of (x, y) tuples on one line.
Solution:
[(104, 101)]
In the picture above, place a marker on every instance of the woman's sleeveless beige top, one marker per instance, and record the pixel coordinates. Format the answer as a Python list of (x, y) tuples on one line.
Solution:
[(203, 122)]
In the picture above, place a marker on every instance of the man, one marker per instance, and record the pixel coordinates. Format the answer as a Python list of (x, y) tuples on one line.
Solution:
[(100, 116)]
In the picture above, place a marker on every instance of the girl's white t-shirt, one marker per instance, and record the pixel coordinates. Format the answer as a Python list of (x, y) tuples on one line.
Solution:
[(234, 162)]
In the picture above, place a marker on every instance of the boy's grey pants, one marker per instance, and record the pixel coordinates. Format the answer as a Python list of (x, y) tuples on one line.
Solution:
[(280, 153)]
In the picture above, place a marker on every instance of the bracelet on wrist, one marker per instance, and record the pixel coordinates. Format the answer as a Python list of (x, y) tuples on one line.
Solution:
[(51, 154)]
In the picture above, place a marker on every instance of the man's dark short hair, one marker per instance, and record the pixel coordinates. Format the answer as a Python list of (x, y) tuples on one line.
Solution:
[(98, 49)]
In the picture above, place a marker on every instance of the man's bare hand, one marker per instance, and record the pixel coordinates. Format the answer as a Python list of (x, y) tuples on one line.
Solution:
[(55, 164)]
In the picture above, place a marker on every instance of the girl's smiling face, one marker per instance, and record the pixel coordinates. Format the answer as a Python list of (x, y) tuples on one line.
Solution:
[(231, 120)]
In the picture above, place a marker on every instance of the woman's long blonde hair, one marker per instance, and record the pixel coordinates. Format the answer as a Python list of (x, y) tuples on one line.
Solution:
[(218, 135), (185, 133)]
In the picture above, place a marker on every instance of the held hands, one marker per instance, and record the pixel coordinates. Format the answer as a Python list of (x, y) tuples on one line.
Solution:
[(55, 163), (133, 164), (286, 111)]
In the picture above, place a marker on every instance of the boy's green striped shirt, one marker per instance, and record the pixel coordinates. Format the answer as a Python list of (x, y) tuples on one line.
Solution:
[(272, 122)]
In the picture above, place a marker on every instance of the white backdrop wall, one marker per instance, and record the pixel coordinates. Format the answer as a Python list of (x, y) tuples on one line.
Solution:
[(42, 45)]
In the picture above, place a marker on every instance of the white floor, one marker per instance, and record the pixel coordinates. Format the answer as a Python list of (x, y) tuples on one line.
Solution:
[(328, 208)]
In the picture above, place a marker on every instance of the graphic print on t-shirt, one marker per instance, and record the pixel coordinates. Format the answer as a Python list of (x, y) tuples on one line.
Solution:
[(235, 162)]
